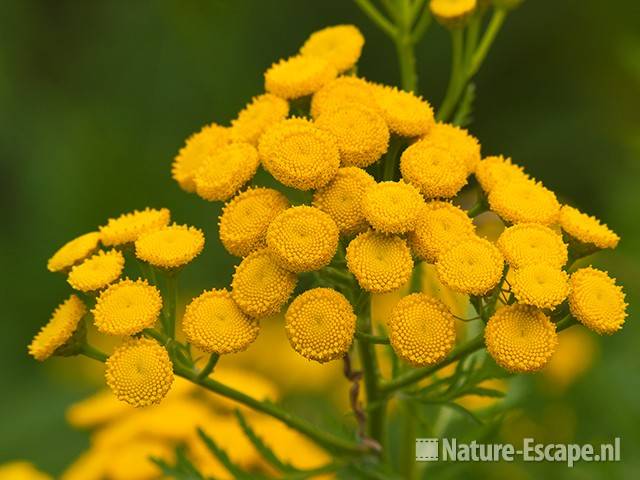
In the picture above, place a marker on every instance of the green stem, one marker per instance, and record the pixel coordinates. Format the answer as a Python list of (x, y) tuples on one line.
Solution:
[(372, 338), (208, 368), (404, 47), (170, 301), (456, 79), (391, 158), (497, 19), (93, 352), (376, 17)]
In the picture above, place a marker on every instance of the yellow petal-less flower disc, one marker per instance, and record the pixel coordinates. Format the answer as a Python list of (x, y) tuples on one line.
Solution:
[(530, 243), (342, 91), (298, 76), (320, 324), (458, 141), (406, 114), (129, 226), (452, 12), (245, 218), (260, 286), (381, 263), (492, 170), (213, 322), (171, 247), (303, 239), (223, 173), (340, 45), (197, 148), (474, 266), (263, 111), (540, 285), (139, 372), (421, 329), (59, 329), (392, 207), (342, 199), (435, 171), (587, 229), (74, 251), (360, 131), (127, 307), (524, 201), (440, 226), (299, 154), (520, 338), (596, 301), (97, 271)]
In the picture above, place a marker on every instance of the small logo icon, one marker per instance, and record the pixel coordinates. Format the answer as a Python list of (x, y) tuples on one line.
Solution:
[(426, 449)]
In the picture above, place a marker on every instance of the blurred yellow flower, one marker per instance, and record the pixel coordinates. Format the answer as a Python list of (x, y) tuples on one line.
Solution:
[(587, 229), (298, 76), (340, 45), (74, 251), (59, 329), (22, 470)]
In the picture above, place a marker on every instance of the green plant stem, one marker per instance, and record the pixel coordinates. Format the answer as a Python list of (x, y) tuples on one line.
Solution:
[(208, 368), (170, 301), (403, 40), (497, 19), (391, 158), (93, 352), (372, 338), (376, 17), (456, 79)]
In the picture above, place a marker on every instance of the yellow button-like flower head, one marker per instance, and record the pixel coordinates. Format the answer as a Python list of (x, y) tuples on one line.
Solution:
[(492, 170), (474, 266), (197, 149), (392, 207), (139, 372), (320, 324), (440, 226), (360, 131), (263, 111), (421, 329), (303, 239), (587, 229), (452, 12), (260, 286), (129, 226), (298, 76), (97, 272), (246, 217), (127, 307), (74, 251), (381, 263), (596, 301), (213, 322), (171, 247), (223, 173), (540, 285), (340, 45), (524, 201), (59, 329), (520, 338), (342, 199), (458, 141), (406, 114), (530, 243), (342, 91)]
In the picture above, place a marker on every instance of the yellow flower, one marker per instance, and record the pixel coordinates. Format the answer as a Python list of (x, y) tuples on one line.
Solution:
[(530, 243), (340, 45), (342, 91), (596, 301), (457, 141), (320, 324), (587, 229), (299, 154), (392, 207), (172, 247), (129, 226), (197, 148), (260, 286), (406, 114), (74, 251), (302, 239), (361, 133), (97, 272), (132, 461), (434, 170), (298, 76), (381, 263), (224, 172), (263, 111), (139, 372), (342, 199), (440, 226), (452, 12), (21, 470), (520, 338), (59, 329), (246, 217), (127, 307), (524, 201), (421, 329), (213, 322), (492, 170), (474, 266), (540, 285)]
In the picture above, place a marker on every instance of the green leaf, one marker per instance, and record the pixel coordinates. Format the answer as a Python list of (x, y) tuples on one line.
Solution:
[(183, 469), (464, 411), (484, 392), (224, 459)]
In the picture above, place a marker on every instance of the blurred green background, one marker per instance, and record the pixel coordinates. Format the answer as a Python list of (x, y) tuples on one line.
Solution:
[(97, 96)]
